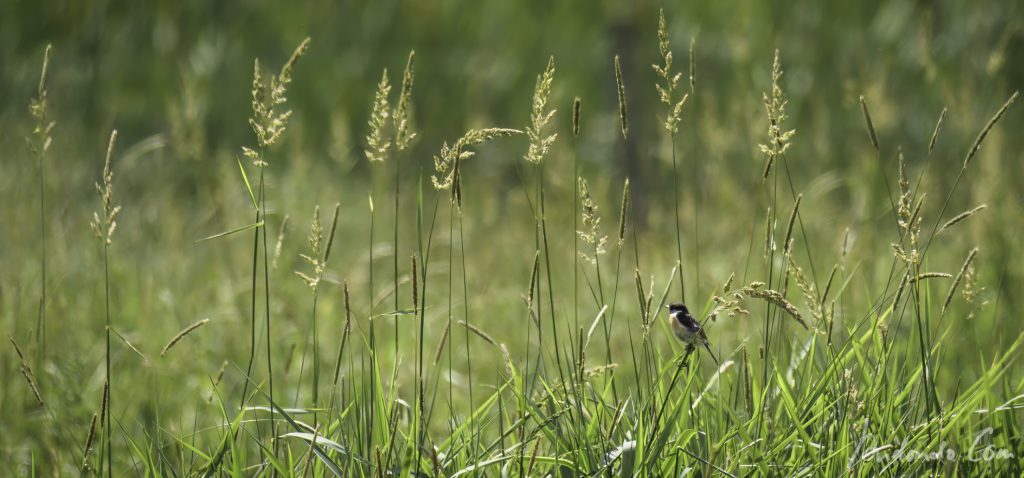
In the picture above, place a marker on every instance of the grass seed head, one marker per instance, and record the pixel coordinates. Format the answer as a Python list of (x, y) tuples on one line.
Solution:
[(268, 120), (779, 139), (540, 116), (104, 222), (403, 130), (377, 144), (591, 231), (670, 81)]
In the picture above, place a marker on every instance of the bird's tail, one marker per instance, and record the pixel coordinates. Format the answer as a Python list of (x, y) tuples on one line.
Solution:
[(708, 347)]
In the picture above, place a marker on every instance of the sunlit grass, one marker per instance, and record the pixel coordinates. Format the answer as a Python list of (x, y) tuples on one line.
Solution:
[(837, 357)]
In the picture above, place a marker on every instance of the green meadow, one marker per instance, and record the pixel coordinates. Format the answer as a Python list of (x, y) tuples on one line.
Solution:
[(439, 239)]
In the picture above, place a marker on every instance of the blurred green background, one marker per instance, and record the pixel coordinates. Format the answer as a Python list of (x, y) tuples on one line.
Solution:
[(173, 77)]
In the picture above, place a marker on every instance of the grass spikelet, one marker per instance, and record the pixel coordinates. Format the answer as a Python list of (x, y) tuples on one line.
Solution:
[(958, 279), (960, 217), (182, 334), (600, 370), (479, 332), (32, 385), (591, 231), (104, 225), (622, 212), (377, 144), (39, 109), (345, 333), (280, 241), (667, 90), (757, 289), (867, 122), (216, 381), (441, 342), (899, 291), (931, 275), (904, 183), (935, 132), (539, 116), (39, 142), (447, 164), (129, 344), (506, 358), (769, 234), (593, 325), (693, 64), (534, 274), (779, 139), (315, 241), (726, 302), (103, 402), (621, 88), (988, 127), (88, 443), (641, 297), (788, 244), (971, 290), (403, 132), (38, 105), (576, 117), (268, 121), (26, 371), (334, 228), (846, 243), (808, 291)]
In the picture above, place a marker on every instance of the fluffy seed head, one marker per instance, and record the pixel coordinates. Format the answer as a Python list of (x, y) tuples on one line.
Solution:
[(539, 116), (104, 221), (775, 105)]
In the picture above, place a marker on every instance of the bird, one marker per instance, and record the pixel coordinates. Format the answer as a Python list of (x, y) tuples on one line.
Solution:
[(688, 329)]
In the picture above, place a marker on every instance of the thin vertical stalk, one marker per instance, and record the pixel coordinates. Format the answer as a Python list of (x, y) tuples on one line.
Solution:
[(266, 306), (107, 427), (679, 235)]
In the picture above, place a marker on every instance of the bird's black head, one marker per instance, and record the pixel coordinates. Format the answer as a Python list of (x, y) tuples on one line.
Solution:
[(673, 308)]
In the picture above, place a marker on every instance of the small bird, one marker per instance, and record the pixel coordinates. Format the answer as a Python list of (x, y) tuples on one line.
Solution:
[(688, 329)]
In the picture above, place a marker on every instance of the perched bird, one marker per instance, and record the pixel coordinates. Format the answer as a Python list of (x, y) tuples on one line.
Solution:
[(688, 329)]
